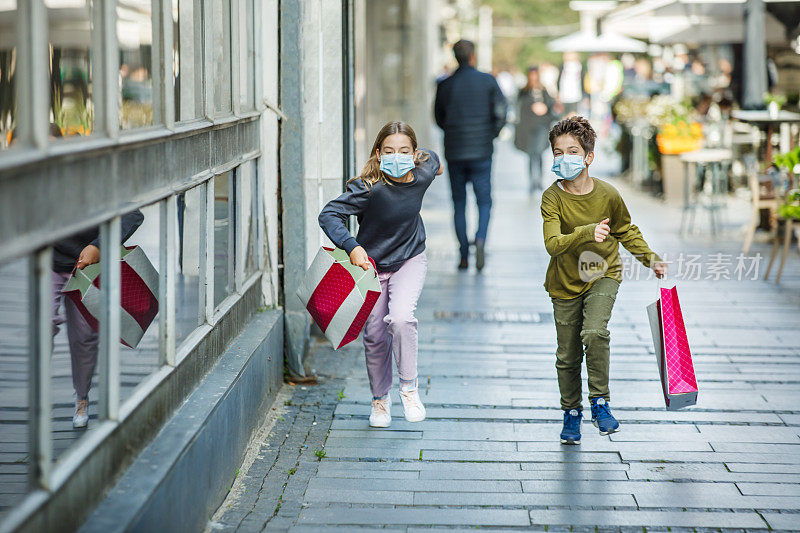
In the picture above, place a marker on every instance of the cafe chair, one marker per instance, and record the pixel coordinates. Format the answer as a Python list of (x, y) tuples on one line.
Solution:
[(763, 197)]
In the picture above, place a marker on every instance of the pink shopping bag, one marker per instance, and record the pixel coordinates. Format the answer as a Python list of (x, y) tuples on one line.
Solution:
[(338, 295), (138, 294), (672, 350)]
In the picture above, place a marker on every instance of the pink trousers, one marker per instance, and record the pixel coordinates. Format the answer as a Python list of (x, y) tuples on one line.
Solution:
[(392, 327), (82, 338)]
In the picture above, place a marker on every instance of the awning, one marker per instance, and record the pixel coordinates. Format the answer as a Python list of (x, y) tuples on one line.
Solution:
[(689, 21), (608, 41)]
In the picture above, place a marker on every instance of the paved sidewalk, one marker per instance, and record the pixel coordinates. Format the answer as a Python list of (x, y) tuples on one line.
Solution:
[(488, 455)]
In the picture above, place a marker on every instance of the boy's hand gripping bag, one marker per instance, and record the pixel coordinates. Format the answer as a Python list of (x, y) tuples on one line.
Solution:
[(339, 295), (138, 294), (675, 367)]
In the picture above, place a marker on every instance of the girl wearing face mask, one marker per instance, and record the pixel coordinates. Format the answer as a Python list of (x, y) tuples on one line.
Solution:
[(585, 221), (386, 199)]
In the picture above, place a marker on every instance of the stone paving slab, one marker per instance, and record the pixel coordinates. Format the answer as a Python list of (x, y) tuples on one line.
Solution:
[(415, 516), (782, 521), (488, 456), (647, 519), (485, 499)]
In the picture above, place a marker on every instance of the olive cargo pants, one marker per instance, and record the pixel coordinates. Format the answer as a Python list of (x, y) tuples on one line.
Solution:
[(581, 324)]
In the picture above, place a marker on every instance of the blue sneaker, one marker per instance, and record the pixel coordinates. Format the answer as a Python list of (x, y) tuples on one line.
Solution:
[(571, 432), (602, 417)]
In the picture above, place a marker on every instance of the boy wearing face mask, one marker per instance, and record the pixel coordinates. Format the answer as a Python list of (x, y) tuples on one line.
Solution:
[(585, 220)]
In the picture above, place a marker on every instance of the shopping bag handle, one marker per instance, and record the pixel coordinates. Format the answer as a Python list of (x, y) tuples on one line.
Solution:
[(374, 270), (374, 266)]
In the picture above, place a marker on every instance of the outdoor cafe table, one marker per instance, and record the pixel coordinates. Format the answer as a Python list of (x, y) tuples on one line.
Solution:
[(764, 120), (715, 159)]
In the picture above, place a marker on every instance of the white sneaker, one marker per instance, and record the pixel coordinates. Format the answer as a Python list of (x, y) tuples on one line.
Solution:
[(381, 416), (412, 406), (81, 417)]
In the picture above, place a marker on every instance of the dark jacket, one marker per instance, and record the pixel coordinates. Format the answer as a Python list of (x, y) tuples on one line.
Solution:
[(532, 129), (471, 109), (66, 251)]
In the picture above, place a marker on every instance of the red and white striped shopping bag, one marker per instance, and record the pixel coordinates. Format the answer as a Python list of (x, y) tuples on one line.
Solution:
[(339, 295), (138, 294)]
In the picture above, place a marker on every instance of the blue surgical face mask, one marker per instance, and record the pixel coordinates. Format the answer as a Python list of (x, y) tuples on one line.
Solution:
[(397, 165), (568, 166)]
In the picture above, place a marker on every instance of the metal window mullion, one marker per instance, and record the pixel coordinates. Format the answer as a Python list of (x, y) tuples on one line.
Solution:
[(106, 68), (166, 281), (109, 360), (33, 99), (208, 70), (157, 60), (168, 63), (40, 345), (207, 267), (236, 51)]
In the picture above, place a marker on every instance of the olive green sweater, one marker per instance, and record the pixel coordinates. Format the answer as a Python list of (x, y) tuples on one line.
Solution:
[(576, 259)]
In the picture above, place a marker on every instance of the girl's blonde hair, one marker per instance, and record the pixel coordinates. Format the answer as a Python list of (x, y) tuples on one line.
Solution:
[(371, 173)]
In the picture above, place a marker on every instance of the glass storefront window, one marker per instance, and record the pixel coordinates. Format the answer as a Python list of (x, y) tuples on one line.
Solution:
[(246, 56), (221, 55), (14, 384), (248, 217), (188, 59), (135, 34), (8, 58), (69, 25), (139, 361), (223, 236), (187, 279)]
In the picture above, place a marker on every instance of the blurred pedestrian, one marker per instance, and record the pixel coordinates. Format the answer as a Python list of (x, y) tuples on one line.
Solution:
[(570, 86), (471, 109), (386, 199), (549, 74), (536, 111), (585, 220)]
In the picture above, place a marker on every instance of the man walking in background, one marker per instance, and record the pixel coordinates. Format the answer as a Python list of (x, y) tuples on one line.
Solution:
[(471, 109)]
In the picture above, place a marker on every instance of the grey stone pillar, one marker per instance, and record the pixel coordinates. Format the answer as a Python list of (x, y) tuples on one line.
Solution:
[(292, 170), (755, 56)]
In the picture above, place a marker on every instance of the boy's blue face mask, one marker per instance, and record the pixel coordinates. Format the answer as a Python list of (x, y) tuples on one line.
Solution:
[(397, 165), (568, 166)]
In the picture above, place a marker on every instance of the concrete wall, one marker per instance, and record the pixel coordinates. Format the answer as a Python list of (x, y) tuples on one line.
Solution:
[(268, 58), (181, 477)]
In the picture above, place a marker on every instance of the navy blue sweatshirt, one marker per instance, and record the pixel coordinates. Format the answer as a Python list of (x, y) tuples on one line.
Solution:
[(390, 226)]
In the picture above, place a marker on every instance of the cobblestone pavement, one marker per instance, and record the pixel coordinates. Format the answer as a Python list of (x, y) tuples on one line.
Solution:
[(488, 455)]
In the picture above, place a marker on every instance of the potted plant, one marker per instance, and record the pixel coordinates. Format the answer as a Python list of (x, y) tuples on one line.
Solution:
[(677, 133), (791, 206), (789, 164)]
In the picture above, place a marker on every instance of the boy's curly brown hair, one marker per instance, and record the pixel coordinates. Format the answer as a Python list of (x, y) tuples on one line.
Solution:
[(577, 127)]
